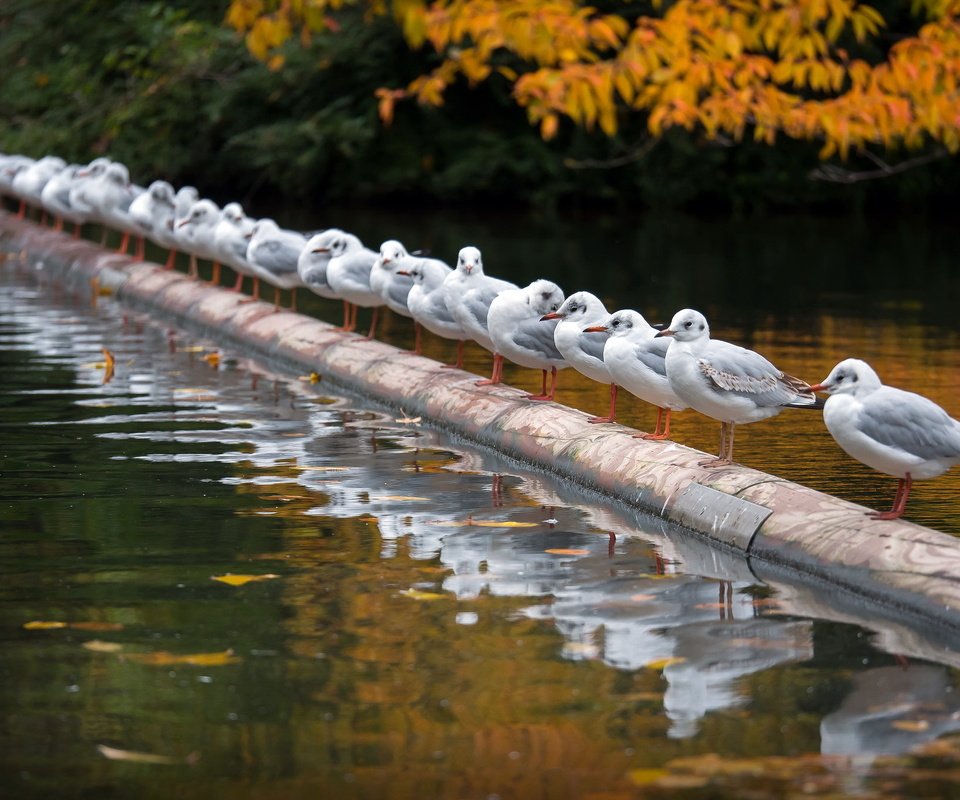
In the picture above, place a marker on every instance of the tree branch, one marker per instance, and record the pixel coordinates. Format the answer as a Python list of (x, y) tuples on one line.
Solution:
[(637, 154), (834, 174)]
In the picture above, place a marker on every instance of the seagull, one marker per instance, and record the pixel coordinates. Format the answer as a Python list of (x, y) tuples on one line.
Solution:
[(727, 382), (55, 198), (348, 274), (79, 199), (313, 262), (194, 234), (890, 430), (230, 243), (519, 334), (427, 303), (151, 214), (636, 359), (582, 350), (468, 294), (273, 254), (389, 279), (28, 183)]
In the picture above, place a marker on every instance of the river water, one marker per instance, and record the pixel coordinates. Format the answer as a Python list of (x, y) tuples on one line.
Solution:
[(223, 581)]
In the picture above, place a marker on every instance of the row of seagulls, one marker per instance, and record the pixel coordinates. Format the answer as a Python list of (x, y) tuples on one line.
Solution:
[(890, 430)]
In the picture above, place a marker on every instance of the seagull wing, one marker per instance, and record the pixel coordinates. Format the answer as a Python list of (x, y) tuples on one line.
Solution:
[(734, 369), (534, 335), (909, 422)]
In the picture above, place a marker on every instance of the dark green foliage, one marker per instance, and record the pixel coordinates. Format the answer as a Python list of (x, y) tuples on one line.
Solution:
[(166, 88)]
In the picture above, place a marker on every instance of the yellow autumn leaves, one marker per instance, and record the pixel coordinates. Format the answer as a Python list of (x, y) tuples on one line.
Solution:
[(766, 68)]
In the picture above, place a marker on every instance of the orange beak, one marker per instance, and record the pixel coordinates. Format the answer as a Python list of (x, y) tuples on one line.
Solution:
[(183, 222), (403, 272), (551, 315), (666, 332), (321, 250), (596, 329), (818, 387)]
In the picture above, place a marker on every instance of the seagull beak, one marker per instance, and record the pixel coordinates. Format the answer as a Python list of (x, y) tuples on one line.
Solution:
[(183, 222), (403, 272), (468, 269), (321, 250), (596, 329), (551, 315), (819, 387), (666, 332)]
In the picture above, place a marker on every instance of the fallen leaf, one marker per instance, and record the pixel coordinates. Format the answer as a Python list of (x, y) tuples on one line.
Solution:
[(321, 469), (398, 498), (96, 626), (367, 518), (194, 348), (98, 646), (643, 777), (567, 551), (483, 523), (115, 754), (240, 580), (642, 598), (912, 725), (38, 625), (163, 658), (661, 663), (416, 594), (313, 377), (213, 359)]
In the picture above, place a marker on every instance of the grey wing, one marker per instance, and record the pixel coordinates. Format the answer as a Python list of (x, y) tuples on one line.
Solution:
[(436, 307), (278, 256), (477, 303), (398, 289), (734, 369), (358, 265), (653, 355), (911, 423), (537, 336), (593, 343)]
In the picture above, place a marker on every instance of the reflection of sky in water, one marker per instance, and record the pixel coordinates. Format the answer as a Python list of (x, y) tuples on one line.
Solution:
[(621, 591)]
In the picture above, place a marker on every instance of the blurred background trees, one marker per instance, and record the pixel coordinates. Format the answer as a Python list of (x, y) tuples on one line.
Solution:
[(694, 104)]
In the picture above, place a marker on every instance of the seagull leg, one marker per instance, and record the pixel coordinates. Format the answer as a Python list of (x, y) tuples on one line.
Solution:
[(543, 390), (215, 277), (276, 298), (458, 364), (656, 431), (141, 251), (256, 287), (293, 299), (612, 416), (171, 259), (658, 434), (553, 387), (194, 269), (238, 286), (417, 347), (58, 223), (496, 374), (899, 502), (124, 243), (373, 322), (22, 211), (43, 217), (726, 447)]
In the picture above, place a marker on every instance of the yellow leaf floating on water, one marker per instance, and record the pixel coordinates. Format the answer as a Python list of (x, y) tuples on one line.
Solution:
[(367, 518), (911, 725), (40, 625), (313, 377), (93, 625), (240, 580), (567, 551), (98, 646), (662, 663), (213, 359), (163, 658), (483, 523), (193, 348), (115, 754), (642, 777), (416, 594), (398, 498)]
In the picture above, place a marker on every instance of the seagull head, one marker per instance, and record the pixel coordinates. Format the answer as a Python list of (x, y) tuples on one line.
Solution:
[(687, 326), (469, 261), (620, 323), (850, 376), (162, 192), (544, 298), (390, 251), (581, 307)]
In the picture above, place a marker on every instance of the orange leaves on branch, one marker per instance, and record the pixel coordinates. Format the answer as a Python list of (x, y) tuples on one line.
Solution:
[(770, 67)]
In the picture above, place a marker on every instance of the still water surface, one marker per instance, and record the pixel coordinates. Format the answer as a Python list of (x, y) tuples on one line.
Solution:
[(554, 648)]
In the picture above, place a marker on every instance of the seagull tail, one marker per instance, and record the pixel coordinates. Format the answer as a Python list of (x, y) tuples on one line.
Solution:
[(808, 401)]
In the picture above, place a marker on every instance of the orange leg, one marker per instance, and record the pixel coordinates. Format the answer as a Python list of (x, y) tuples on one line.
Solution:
[(215, 277), (496, 375), (458, 364), (553, 387), (612, 416), (373, 322), (899, 502), (662, 414)]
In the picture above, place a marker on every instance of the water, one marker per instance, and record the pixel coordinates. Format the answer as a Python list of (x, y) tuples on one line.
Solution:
[(389, 648)]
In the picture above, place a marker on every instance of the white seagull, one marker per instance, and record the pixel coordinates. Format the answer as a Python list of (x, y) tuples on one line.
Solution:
[(273, 253), (389, 279), (313, 262), (468, 294), (636, 359), (427, 303), (230, 243), (348, 274), (151, 216), (890, 430), (582, 350), (519, 335), (727, 382), (194, 235)]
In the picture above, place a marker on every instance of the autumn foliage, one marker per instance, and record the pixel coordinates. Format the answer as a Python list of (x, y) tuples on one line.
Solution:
[(807, 69)]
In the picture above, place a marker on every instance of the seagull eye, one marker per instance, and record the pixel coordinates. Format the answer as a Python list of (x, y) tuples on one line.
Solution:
[(687, 324)]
